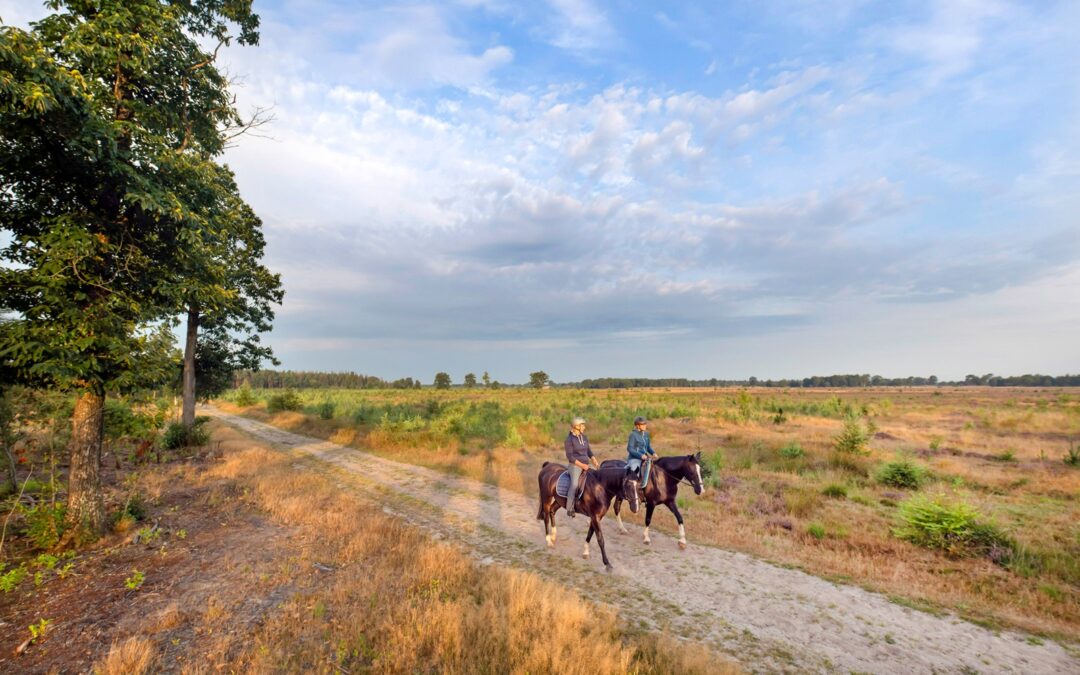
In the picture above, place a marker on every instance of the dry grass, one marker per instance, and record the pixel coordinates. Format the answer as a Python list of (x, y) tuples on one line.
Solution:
[(399, 602), (133, 656), (999, 449)]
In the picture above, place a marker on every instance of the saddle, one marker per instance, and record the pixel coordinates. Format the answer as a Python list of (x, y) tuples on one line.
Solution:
[(562, 486)]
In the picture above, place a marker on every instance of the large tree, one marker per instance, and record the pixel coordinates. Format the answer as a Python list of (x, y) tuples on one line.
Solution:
[(111, 115)]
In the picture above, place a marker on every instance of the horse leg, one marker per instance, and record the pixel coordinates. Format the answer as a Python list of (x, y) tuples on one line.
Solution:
[(585, 552), (682, 530), (618, 518), (600, 540), (648, 520)]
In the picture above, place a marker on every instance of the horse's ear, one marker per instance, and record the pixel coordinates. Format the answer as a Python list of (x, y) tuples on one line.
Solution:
[(697, 457)]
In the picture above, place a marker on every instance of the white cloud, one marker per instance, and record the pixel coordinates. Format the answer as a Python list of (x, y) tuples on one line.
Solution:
[(580, 26)]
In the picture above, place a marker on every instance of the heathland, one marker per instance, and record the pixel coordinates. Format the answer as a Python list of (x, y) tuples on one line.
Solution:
[(958, 498)]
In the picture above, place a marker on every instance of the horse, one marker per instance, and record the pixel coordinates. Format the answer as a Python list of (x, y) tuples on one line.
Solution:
[(664, 478), (600, 487)]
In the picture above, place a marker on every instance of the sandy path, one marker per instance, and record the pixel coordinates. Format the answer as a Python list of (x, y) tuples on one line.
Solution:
[(770, 618)]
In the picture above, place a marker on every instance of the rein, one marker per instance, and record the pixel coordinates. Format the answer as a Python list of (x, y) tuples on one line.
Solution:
[(668, 473)]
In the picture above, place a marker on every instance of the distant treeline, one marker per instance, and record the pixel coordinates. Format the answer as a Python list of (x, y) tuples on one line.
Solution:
[(835, 381), (310, 379)]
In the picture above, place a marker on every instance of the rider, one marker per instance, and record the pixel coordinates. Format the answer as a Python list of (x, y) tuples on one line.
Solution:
[(639, 449), (579, 455)]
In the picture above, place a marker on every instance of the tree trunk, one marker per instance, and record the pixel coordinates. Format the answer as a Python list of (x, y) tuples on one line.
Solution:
[(85, 506), (187, 417)]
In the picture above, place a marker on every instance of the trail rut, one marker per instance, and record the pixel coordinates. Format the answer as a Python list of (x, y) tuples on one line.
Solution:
[(768, 617)]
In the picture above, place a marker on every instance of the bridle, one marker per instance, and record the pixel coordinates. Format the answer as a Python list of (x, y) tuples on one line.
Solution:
[(677, 480)]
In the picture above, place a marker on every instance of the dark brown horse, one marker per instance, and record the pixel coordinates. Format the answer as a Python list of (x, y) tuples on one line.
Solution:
[(664, 478), (601, 486)]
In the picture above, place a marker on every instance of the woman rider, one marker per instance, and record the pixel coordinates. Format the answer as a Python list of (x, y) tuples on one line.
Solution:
[(639, 449), (579, 455)]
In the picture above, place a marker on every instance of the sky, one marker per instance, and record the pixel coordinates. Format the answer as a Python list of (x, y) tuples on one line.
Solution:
[(693, 190)]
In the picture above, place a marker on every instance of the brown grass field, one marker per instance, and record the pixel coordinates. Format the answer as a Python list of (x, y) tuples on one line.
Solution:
[(260, 566), (998, 450)]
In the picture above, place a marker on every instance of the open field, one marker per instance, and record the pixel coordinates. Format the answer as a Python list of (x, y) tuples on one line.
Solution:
[(257, 562), (782, 490)]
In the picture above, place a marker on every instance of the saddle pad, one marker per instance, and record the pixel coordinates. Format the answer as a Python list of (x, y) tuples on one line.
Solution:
[(562, 487)]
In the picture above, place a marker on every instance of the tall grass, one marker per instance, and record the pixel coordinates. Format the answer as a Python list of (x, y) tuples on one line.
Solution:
[(400, 602)]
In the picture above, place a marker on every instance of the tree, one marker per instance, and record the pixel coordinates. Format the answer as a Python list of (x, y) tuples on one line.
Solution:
[(470, 380), (486, 379), (442, 381), (110, 117), (229, 296), (538, 379)]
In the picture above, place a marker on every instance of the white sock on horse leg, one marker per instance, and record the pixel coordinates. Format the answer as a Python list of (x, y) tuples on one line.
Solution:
[(682, 533)]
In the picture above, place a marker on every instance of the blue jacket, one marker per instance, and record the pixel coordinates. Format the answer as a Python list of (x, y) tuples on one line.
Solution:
[(577, 448), (638, 445)]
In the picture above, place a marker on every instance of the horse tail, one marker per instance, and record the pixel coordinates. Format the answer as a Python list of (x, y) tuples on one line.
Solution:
[(540, 513)]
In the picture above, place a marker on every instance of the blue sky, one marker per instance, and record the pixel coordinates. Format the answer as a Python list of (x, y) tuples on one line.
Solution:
[(617, 188)]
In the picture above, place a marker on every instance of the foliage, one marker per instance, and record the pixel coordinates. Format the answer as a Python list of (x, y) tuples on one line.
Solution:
[(37, 630), (538, 379), (176, 436), (835, 490), (44, 524), (12, 578), (852, 439), (470, 380), (792, 451), (816, 530), (244, 398), (286, 400), (1072, 457), (901, 474), (951, 527), (135, 581), (442, 380), (326, 410)]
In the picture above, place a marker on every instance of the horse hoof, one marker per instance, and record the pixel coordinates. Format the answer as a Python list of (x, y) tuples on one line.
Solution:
[(550, 543), (682, 545), (609, 567), (647, 542), (585, 555)]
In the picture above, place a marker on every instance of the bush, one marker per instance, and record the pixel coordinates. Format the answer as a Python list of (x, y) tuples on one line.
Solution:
[(1072, 457), (286, 400), (177, 437), (852, 438), (45, 524), (902, 474), (244, 397), (816, 530), (953, 528), (326, 410), (792, 451), (836, 491)]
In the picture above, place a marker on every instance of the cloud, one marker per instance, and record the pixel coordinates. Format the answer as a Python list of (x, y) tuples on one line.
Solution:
[(579, 26)]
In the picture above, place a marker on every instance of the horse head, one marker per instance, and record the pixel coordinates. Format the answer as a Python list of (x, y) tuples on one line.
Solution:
[(694, 473)]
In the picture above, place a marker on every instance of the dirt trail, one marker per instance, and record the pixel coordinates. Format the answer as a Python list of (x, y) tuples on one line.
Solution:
[(770, 618)]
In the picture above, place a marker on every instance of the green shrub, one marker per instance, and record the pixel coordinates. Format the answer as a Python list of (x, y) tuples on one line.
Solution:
[(326, 410), (852, 438), (1006, 456), (177, 437), (816, 530), (286, 400), (12, 578), (836, 491), (44, 524), (953, 528), (1072, 457), (902, 474), (792, 451), (244, 397)]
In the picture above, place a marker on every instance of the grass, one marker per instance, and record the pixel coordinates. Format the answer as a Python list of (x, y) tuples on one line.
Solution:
[(762, 473), (401, 602)]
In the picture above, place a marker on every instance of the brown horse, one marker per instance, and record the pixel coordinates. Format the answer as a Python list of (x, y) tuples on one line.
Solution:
[(600, 487), (664, 478)]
